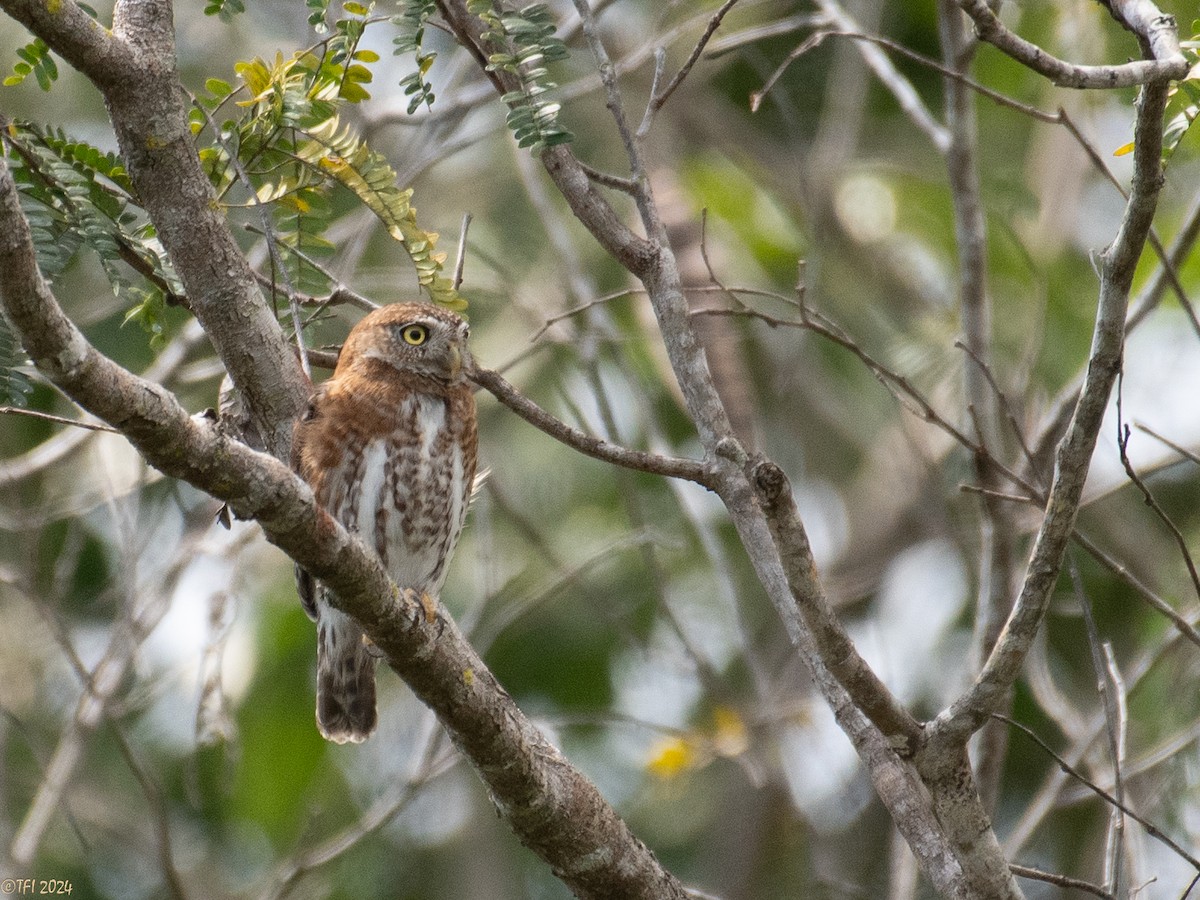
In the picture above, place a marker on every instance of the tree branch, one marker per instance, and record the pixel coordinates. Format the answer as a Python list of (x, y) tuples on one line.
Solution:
[(77, 37), (1061, 881), (688, 469), (1073, 457), (889, 76), (1151, 829), (902, 731), (1168, 62), (47, 417), (658, 98), (825, 650), (552, 808), (792, 553), (996, 538), (134, 66)]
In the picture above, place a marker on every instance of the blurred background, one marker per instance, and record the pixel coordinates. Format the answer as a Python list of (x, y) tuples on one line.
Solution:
[(157, 671)]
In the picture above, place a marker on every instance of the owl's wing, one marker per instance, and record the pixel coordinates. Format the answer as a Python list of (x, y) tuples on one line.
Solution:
[(300, 430), (306, 585)]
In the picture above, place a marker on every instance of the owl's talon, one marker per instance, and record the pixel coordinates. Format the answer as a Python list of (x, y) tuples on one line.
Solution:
[(412, 603), (430, 605), (372, 648)]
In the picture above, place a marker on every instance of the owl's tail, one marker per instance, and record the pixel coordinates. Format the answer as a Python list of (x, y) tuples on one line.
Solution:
[(345, 679)]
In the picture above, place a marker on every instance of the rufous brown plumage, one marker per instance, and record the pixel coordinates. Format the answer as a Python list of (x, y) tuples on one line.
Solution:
[(388, 445)]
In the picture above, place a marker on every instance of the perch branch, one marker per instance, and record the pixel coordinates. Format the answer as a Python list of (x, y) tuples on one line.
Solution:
[(134, 67), (551, 806)]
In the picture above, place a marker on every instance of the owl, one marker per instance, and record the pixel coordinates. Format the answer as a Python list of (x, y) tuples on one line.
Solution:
[(388, 445)]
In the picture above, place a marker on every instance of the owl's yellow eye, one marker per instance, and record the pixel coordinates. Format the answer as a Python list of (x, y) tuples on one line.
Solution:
[(414, 335)]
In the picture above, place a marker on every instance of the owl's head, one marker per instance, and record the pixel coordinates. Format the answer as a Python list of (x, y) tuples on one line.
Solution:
[(410, 337)]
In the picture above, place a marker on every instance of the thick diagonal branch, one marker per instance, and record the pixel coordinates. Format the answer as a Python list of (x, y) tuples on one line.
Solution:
[(134, 67), (550, 805)]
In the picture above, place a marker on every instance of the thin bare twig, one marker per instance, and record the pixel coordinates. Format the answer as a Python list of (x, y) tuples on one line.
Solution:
[(688, 469), (339, 296), (712, 275), (1143, 591), (1151, 501), (1168, 269), (1151, 828), (767, 30), (1002, 398), (1182, 625), (1182, 451), (999, 495), (757, 97), (340, 293), (889, 76), (213, 723), (460, 258), (583, 307), (1113, 723), (1046, 799), (936, 132), (1063, 881), (616, 182), (659, 98), (660, 68), (898, 385), (1181, 245), (902, 388), (59, 420), (1116, 843)]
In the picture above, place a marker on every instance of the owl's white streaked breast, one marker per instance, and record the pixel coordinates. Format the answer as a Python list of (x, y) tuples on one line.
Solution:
[(431, 418), (411, 502), (373, 469)]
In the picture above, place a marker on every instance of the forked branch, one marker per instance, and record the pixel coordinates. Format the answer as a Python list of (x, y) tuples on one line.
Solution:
[(1073, 458)]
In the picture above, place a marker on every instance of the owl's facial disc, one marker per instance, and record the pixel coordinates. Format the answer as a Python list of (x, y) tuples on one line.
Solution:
[(425, 346)]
